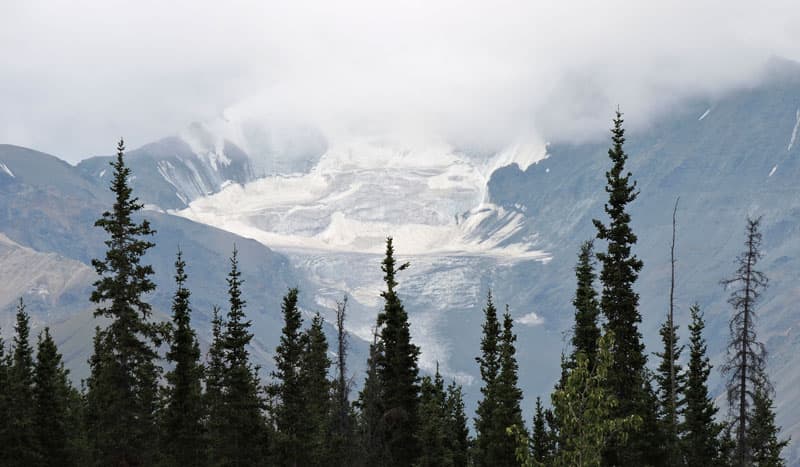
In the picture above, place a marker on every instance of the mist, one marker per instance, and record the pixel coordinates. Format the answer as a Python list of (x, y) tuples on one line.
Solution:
[(78, 75)]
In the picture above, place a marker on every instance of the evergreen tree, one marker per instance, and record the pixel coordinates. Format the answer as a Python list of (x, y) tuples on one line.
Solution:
[(586, 409), (316, 391), (214, 403), (397, 370), (122, 387), (370, 411), (343, 436), (242, 438), (586, 330), (291, 411), (700, 440), (745, 366), (22, 444), (509, 396), (619, 303), (540, 446), (763, 432), (5, 435), (432, 437), (457, 430), (489, 361), (183, 407), (671, 383)]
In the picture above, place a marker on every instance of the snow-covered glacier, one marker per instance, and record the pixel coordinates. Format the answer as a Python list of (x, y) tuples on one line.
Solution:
[(333, 220)]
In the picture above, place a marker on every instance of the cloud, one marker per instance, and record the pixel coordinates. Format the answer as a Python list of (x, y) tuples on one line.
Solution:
[(77, 75), (531, 319)]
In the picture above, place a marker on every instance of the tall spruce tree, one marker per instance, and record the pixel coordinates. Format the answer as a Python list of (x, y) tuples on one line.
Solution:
[(343, 422), (586, 330), (432, 434), (700, 444), (457, 429), (122, 387), (397, 370), (291, 416), (183, 412), (213, 401), (372, 445), (316, 392), (52, 405), (763, 432), (4, 401), (509, 395), (627, 379), (540, 438), (745, 366), (586, 409), (243, 436), (489, 362), (671, 382), (22, 445)]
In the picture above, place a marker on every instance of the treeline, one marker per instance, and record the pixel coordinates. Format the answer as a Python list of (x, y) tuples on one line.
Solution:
[(153, 398)]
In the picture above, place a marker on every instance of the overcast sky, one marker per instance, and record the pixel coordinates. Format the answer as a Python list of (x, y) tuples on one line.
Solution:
[(77, 75)]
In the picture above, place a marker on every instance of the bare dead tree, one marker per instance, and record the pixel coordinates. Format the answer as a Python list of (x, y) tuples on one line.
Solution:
[(746, 359), (343, 383), (671, 319)]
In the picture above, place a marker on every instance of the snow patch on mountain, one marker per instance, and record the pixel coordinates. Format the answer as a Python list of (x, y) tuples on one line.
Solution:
[(5, 169), (793, 139), (431, 200)]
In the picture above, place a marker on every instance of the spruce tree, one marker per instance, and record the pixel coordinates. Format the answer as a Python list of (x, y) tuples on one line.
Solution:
[(213, 401), (488, 405), (397, 370), (183, 412), (432, 435), (700, 444), (540, 445), (457, 429), (745, 366), (619, 303), (53, 421), (763, 432), (242, 438), (22, 444), (372, 446), (122, 387), (586, 409), (586, 330), (509, 396), (4, 401), (343, 423), (671, 383), (316, 391), (291, 416)]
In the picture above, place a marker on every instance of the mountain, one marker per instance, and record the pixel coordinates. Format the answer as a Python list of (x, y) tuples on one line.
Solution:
[(511, 222), (174, 171), (48, 238)]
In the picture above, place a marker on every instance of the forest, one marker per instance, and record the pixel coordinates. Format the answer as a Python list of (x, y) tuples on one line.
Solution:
[(153, 398)]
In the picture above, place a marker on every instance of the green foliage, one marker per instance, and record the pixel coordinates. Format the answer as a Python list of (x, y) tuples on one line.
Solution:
[(370, 407), (619, 303), (457, 430), (586, 410), (316, 395), (700, 444), (763, 432), (397, 370), (541, 447), (52, 405), (242, 437), (122, 388), (488, 405), (432, 435), (671, 383), (586, 330), (183, 412), (213, 401), (22, 440)]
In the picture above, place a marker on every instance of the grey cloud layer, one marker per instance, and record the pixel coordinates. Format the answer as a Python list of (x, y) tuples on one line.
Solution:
[(76, 76)]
